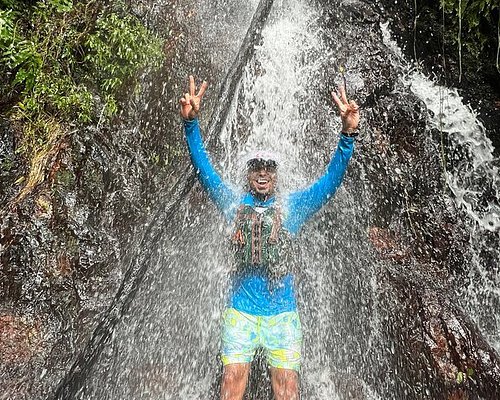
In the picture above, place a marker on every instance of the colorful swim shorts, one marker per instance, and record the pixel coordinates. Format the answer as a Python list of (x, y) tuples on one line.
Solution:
[(279, 335)]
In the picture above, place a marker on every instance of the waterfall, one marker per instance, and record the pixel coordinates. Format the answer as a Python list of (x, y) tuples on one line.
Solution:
[(474, 188), (285, 107), (166, 345)]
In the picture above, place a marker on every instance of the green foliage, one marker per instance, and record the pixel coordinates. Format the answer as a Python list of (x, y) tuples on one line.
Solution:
[(118, 48), (471, 10), (478, 20), (463, 376), (67, 61)]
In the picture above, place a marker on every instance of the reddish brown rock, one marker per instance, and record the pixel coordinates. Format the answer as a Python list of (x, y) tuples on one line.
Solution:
[(20, 339), (387, 245), (447, 351)]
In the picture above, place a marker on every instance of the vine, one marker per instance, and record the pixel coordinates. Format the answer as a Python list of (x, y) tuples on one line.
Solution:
[(498, 46), (475, 22)]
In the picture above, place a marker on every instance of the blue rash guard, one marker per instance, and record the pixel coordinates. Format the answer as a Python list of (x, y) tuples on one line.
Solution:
[(250, 292)]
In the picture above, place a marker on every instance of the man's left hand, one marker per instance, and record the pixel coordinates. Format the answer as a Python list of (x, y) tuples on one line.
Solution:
[(349, 111)]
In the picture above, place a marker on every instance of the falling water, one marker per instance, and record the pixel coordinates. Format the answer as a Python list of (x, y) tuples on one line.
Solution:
[(471, 173), (474, 186), (280, 108), (167, 345)]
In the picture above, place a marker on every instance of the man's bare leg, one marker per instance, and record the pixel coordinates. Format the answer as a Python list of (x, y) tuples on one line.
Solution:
[(234, 381), (285, 384)]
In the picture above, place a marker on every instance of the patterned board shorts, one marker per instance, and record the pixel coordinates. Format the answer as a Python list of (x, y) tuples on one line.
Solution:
[(279, 335)]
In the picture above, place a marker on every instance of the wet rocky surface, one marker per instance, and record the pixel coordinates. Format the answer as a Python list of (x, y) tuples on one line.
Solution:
[(64, 242), (61, 248), (436, 347), (418, 236), (422, 244), (64, 248), (436, 333)]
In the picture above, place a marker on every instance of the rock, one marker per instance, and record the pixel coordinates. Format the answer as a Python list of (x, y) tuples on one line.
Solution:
[(387, 246), (62, 248), (435, 341), (479, 83), (20, 339)]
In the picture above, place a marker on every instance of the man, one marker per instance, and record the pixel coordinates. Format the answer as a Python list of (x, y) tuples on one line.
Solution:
[(262, 310)]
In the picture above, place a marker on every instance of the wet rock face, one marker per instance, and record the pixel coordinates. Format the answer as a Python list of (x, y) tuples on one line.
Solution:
[(56, 261), (9, 161), (60, 252), (20, 339), (430, 333), (420, 241), (63, 246), (20, 344)]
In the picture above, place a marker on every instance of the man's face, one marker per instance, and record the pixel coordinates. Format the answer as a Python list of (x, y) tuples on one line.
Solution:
[(262, 179)]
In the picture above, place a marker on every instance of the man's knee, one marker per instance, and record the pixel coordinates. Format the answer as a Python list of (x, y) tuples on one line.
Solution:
[(285, 383), (235, 374)]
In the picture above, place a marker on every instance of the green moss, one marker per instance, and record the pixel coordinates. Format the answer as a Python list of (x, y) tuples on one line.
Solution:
[(65, 178), (6, 164)]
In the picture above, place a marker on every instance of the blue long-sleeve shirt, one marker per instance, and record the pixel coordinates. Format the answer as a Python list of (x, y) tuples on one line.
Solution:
[(251, 292)]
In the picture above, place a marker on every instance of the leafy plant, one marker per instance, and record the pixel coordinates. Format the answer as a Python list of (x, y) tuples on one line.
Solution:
[(119, 48), (476, 23), (463, 376), (67, 62)]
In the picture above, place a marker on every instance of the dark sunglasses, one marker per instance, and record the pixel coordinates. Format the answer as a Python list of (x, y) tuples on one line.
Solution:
[(258, 163)]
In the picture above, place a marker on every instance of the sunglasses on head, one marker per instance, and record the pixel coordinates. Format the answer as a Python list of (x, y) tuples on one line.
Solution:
[(258, 163)]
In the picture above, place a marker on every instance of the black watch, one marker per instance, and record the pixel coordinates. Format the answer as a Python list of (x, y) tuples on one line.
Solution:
[(351, 134)]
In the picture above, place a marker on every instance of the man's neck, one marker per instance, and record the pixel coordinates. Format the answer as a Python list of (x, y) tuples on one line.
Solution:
[(262, 197)]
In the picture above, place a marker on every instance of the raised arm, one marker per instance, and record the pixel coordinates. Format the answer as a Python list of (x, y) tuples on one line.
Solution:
[(303, 204), (221, 193)]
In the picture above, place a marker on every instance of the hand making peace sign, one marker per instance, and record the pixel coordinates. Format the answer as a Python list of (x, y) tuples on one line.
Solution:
[(190, 103), (349, 111)]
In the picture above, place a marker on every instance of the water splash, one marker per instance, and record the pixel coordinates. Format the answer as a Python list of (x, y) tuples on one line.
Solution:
[(459, 122), (279, 108), (166, 347), (273, 95)]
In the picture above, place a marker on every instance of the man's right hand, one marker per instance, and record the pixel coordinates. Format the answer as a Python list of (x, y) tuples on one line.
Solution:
[(190, 103)]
